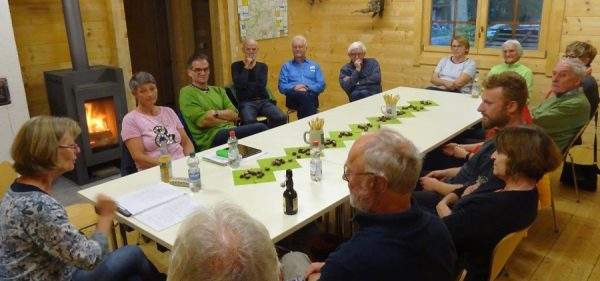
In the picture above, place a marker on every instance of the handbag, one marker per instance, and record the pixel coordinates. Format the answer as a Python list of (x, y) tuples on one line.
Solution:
[(586, 175)]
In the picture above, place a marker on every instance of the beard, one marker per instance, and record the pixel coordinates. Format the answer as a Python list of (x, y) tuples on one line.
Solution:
[(362, 200), (498, 121)]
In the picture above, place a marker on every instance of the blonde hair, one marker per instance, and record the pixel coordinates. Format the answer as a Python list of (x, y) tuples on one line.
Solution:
[(223, 244), (34, 149), (463, 41)]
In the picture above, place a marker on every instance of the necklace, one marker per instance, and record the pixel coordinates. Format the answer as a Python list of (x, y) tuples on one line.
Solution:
[(203, 90)]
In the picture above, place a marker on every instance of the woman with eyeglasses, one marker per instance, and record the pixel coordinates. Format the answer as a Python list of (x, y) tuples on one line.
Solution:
[(37, 240), (454, 73), (477, 221), (148, 125)]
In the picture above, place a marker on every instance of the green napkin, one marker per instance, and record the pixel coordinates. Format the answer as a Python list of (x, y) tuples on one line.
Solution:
[(290, 163), (268, 177)]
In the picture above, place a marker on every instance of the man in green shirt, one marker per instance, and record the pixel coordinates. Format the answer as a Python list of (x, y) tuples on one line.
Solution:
[(512, 52), (207, 110), (567, 110)]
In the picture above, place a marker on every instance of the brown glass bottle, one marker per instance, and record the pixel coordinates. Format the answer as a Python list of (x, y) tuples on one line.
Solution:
[(290, 197)]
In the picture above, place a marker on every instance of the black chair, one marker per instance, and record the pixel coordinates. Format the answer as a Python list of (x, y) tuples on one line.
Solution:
[(127, 164), (187, 130)]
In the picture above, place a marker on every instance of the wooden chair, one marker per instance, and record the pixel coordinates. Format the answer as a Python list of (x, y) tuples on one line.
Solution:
[(504, 250), (8, 176)]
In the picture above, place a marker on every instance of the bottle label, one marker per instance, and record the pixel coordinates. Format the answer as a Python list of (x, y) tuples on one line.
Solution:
[(194, 175), (164, 172), (290, 205)]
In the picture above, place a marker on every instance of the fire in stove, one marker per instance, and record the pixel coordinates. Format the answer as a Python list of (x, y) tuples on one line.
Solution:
[(101, 124)]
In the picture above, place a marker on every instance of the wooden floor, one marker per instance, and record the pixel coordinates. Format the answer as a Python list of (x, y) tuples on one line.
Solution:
[(571, 254)]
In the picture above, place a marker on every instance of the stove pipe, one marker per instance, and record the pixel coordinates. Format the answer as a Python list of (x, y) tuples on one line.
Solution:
[(72, 13)]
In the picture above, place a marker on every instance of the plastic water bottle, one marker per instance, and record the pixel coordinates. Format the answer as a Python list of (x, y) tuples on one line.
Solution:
[(194, 172), (166, 170), (316, 165), (233, 155), (476, 88)]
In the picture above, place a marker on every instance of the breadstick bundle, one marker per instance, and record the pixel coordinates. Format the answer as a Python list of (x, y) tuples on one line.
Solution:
[(391, 99), (316, 124)]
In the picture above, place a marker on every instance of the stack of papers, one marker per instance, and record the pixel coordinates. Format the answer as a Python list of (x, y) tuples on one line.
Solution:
[(159, 206)]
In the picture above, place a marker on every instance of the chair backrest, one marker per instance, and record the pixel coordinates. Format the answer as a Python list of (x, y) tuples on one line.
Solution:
[(504, 250), (544, 188), (231, 94), (128, 166), (7, 176), (577, 136), (82, 215), (187, 130)]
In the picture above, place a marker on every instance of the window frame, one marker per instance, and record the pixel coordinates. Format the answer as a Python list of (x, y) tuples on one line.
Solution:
[(478, 47)]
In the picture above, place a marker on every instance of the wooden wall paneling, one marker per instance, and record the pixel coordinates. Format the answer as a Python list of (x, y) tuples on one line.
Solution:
[(181, 30), (118, 27)]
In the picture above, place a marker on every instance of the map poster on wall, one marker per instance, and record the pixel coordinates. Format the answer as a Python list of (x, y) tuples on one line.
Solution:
[(263, 19)]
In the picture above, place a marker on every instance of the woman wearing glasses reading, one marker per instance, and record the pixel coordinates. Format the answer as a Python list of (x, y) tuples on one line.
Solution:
[(37, 241), (477, 220), (455, 73)]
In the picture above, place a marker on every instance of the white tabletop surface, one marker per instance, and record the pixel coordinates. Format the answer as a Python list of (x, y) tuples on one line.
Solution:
[(455, 113)]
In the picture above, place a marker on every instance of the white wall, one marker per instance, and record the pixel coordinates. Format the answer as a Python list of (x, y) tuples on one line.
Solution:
[(13, 115)]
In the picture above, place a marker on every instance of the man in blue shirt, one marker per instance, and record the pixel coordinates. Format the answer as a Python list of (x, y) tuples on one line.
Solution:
[(301, 80), (361, 77)]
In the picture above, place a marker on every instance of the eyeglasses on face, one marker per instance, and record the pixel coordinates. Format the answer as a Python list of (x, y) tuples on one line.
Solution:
[(347, 174), (198, 70), (73, 146)]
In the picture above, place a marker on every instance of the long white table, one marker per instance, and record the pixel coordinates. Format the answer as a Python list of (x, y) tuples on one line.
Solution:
[(429, 129)]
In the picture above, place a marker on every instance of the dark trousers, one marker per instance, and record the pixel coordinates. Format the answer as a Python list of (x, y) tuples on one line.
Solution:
[(360, 94), (250, 109), (306, 103), (240, 132)]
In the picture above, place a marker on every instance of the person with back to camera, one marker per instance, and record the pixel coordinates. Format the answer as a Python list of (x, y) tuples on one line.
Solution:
[(37, 240)]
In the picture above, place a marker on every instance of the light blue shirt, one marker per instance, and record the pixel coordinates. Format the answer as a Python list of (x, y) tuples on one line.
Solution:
[(307, 73)]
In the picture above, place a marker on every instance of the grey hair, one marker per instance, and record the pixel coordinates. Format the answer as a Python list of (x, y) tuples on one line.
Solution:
[(515, 43), (578, 70), (140, 78), (223, 244), (302, 38), (357, 45), (394, 157)]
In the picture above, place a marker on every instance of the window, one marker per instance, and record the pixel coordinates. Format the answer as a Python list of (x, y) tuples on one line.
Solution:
[(486, 23)]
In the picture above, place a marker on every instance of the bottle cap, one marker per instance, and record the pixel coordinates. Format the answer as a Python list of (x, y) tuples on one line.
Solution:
[(288, 173), (232, 133), (315, 143)]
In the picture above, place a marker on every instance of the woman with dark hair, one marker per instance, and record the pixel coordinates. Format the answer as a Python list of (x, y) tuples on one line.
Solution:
[(37, 241), (148, 125), (476, 220)]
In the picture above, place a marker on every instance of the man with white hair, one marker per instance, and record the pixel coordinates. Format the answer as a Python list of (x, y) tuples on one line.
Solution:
[(223, 243), (512, 52), (301, 80), (396, 239), (567, 109), (361, 77)]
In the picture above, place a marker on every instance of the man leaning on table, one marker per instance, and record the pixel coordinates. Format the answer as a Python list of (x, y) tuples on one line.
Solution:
[(396, 239), (207, 110), (301, 80), (361, 77)]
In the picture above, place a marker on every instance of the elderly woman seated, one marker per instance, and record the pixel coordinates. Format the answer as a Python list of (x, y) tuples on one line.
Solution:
[(37, 240), (455, 73), (478, 218), (148, 125)]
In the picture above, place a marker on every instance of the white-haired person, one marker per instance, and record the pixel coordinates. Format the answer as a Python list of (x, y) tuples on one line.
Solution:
[(512, 53), (37, 241), (224, 243), (361, 77)]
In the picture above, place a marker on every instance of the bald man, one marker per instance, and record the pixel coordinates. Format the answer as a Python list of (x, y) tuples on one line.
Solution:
[(250, 82)]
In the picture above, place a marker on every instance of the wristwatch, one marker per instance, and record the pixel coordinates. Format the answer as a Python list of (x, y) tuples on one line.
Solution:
[(216, 115)]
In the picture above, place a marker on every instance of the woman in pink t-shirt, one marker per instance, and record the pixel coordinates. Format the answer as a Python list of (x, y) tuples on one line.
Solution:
[(145, 127)]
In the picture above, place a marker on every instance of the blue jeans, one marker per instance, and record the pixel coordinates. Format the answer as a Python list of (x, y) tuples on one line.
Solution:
[(250, 109), (240, 132), (306, 103), (360, 94), (126, 263)]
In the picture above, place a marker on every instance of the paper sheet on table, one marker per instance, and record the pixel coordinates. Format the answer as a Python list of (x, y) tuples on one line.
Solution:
[(149, 197), (170, 213)]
